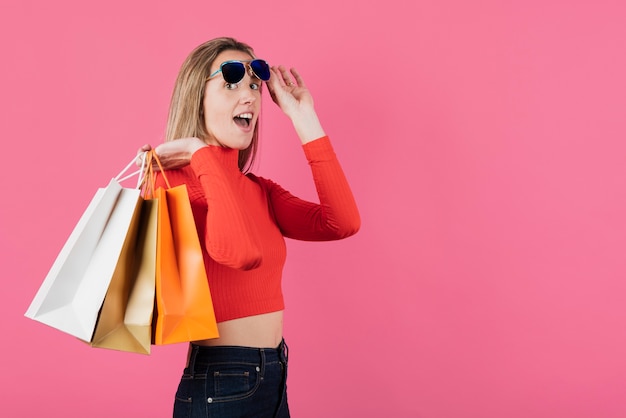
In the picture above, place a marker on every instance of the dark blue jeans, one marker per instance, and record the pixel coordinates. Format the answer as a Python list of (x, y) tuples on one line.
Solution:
[(234, 382)]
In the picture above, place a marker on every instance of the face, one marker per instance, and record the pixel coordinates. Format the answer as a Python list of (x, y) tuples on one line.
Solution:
[(231, 111)]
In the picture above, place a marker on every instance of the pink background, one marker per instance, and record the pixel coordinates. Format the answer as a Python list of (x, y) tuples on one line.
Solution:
[(484, 142)]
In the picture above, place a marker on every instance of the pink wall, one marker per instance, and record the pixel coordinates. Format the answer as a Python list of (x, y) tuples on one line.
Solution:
[(485, 142)]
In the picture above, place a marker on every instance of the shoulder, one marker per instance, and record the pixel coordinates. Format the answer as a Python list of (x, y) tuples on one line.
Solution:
[(259, 180), (268, 186)]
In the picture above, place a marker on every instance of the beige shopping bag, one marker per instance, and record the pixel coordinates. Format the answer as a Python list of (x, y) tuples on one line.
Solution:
[(125, 321)]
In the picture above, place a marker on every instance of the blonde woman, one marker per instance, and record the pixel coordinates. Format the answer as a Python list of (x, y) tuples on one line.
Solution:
[(242, 219)]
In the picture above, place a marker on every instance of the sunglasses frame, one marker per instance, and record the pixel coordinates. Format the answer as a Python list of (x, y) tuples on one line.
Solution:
[(247, 65)]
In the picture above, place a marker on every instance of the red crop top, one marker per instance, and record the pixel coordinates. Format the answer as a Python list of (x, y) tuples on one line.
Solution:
[(242, 219)]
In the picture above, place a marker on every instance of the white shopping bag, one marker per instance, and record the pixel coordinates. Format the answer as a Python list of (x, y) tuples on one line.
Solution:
[(72, 293)]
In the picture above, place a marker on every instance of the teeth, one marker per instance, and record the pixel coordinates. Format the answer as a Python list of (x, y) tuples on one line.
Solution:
[(245, 116)]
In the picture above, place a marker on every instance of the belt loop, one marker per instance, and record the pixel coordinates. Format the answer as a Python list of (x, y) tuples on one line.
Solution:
[(262, 355), (192, 359), (283, 351)]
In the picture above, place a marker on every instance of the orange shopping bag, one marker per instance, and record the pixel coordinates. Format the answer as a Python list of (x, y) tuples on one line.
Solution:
[(184, 308)]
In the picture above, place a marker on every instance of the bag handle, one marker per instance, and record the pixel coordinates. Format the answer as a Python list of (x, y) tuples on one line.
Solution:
[(141, 172), (149, 176)]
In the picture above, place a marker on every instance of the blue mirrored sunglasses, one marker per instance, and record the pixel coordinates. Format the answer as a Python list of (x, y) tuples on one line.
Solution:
[(234, 71)]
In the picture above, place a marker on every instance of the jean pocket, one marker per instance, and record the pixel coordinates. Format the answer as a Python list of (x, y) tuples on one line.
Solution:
[(182, 408), (183, 399), (234, 381)]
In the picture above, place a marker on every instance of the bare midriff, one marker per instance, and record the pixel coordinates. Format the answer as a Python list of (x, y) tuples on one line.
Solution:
[(259, 331)]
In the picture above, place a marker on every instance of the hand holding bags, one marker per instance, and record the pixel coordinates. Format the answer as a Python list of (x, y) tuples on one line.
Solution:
[(183, 299), (141, 254)]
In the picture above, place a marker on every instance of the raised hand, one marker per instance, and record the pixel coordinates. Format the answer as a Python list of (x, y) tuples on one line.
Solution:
[(289, 92)]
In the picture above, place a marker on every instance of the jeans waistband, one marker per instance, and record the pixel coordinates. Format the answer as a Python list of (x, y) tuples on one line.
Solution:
[(202, 355)]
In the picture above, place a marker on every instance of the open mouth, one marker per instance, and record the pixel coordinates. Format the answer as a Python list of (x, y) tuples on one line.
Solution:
[(244, 120)]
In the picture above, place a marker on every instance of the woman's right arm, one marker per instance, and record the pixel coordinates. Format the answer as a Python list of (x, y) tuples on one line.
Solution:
[(229, 237)]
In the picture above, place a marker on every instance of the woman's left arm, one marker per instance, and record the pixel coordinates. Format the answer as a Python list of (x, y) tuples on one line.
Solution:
[(335, 217)]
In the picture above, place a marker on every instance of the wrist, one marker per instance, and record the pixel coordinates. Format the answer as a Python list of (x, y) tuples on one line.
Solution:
[(308, 127), (195, 144)]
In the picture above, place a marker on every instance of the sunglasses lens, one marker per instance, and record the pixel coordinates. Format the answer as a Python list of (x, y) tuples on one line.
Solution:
[(233, 72), (261, 69)]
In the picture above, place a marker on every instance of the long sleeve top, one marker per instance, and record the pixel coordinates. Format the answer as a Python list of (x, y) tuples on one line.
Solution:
[(242, 221)]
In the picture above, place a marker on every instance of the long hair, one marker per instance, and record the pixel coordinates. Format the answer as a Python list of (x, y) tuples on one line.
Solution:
[(186, 112)]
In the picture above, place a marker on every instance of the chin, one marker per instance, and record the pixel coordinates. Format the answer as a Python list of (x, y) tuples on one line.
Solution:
[(243, 144)]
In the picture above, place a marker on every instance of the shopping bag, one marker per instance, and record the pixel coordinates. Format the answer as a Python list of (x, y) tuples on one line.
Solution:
[(72, 292), (184, 308), (125, 320)]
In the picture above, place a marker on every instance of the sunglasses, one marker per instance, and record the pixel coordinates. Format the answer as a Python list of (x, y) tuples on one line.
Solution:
[(234, 71)]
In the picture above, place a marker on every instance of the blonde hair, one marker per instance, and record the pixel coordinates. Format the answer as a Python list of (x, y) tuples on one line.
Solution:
[(186, 112)]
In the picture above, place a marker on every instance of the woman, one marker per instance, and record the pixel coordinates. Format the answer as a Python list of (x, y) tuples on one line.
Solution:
[(242, 220)]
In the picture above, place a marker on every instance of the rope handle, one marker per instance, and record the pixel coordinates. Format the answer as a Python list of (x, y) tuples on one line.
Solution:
[(149, 176), (140, 172)]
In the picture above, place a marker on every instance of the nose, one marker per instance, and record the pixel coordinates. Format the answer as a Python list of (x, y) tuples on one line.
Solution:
[(248, 97), (247, 94)]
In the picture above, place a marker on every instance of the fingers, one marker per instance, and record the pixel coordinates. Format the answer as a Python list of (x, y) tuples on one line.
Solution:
[(286, 76), (279, 76), (289, 78), (298, 77), (273, 84), (144, 148), (140, 154)]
